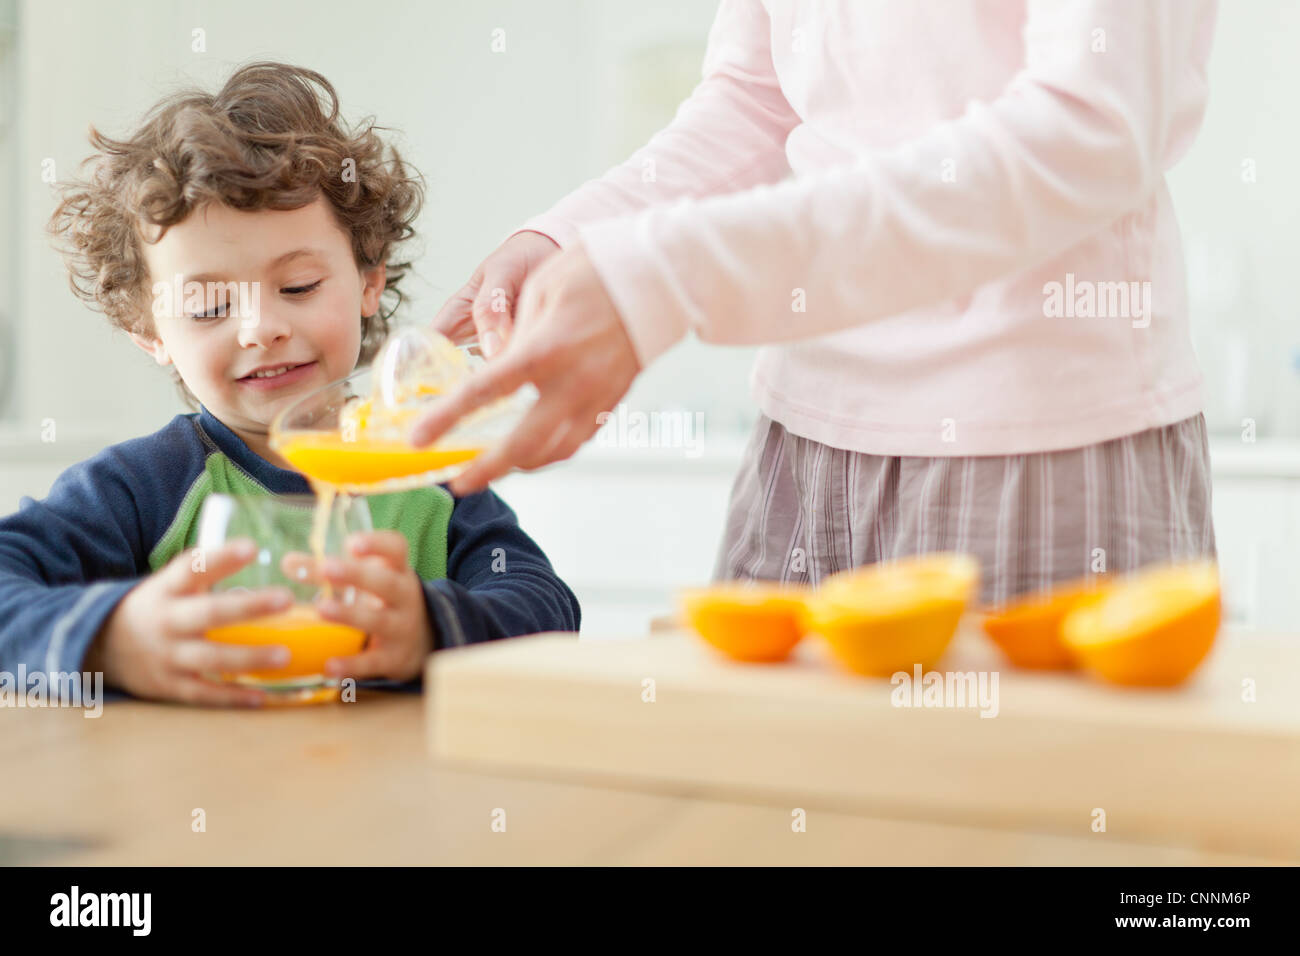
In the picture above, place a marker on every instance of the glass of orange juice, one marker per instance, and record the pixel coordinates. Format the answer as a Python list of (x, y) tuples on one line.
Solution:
[(282, 525)]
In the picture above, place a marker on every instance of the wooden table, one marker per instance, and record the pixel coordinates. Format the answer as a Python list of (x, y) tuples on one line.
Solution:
[(354, 783), (1065, 768)]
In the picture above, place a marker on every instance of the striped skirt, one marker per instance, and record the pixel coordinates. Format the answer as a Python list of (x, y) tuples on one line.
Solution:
[(801, 510)]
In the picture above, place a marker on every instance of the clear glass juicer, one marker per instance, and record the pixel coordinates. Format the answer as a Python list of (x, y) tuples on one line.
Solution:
[(352, 435)]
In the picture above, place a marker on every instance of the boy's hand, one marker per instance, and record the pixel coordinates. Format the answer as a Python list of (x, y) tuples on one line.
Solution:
[(389, 608), (153, 644)]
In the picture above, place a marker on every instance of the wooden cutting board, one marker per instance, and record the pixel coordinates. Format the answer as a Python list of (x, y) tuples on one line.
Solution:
[(1199, 766)]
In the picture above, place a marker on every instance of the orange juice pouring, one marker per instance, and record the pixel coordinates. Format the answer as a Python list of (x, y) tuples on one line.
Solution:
[(351, 436), (348, 439)]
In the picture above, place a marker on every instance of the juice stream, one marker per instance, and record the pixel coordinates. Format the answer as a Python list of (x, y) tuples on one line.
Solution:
[(320, 522)]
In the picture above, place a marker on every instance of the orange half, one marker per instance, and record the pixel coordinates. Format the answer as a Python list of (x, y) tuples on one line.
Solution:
[(1028, 631), (1152, 629), (760, 623), (887, 618)]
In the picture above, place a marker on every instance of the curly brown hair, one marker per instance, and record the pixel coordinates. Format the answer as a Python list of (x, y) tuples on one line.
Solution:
[(271, 138)]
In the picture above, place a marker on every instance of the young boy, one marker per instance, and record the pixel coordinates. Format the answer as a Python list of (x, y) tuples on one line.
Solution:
[(259, 187)]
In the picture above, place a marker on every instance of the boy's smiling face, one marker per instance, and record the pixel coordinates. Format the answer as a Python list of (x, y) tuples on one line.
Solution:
[(310, 296)]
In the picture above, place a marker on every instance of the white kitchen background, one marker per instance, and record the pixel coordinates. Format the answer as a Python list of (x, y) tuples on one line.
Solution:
[(499, 136)]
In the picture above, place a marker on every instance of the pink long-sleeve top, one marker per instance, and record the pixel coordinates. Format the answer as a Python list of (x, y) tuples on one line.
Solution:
[(946, 220)]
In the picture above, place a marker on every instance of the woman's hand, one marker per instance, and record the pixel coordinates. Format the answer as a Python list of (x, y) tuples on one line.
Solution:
[(152, 645), (570, 342), (389, 607), (486, 303)]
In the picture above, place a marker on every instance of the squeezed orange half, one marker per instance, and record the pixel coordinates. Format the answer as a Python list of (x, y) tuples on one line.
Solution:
[(886, 618), (748, 623), (1151, 629), (1028, 631)]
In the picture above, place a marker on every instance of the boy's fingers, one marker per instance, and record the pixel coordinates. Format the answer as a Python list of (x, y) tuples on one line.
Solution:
[(363, 666), (364, 615), (299, 566), (204, 693), (199, 656), (201, 612), (369, 574), (496, 380), (197, 569), (389, 545)]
